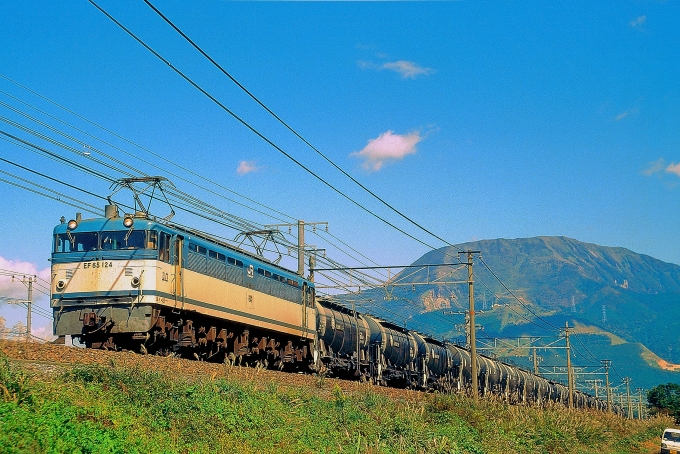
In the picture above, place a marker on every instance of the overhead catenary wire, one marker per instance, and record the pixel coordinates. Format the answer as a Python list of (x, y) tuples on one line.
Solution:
[(326, 158), (254, 130), (149, 163), (383, 308), (515, 296), (91, 149)]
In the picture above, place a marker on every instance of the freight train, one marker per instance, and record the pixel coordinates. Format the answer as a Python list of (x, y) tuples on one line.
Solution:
[(131, 282)]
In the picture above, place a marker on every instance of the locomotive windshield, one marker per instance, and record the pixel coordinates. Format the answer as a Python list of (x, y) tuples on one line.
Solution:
[(108, 241), (123, 240)]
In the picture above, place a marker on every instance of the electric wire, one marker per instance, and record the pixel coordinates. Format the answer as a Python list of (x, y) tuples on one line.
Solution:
[(178, 176), (199, 49), (64, 146), (515, 296), (89, 148), (195, 200), (59, 158), (585, 348), (279, 149), (57, 198), (255, 131), (51, 178)]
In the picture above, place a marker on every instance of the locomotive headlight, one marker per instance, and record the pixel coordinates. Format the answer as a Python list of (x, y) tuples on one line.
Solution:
[(61, 285), (128, 221), (72, 224), (135, 281)]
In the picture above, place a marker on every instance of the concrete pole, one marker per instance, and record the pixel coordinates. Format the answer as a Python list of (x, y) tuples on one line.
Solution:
[(570, 374), (639, 390), (29, 302), (301, 248), (473, 342), (630, 405), (607, 363), (535, 362)]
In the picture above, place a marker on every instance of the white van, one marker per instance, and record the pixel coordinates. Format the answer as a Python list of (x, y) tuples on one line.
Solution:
[(670, 441)]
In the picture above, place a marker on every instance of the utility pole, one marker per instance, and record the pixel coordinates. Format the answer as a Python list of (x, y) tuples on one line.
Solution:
[(639, 390), (606, 363), (29, 302), (473, 341), (570, 373), (630, 406), (595, 384), (535, 362), (301, 240), (301, 248)]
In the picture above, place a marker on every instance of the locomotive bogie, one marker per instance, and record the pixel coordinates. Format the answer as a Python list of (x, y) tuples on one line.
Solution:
[(118, 318)]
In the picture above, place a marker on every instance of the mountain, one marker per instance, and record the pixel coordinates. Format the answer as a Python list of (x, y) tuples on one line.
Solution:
[(626, 305)]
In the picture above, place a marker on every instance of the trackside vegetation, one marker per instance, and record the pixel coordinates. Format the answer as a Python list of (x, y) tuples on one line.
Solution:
[(122, 409)]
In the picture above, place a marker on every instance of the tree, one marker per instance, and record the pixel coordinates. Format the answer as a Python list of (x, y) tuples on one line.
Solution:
[(665, 399)]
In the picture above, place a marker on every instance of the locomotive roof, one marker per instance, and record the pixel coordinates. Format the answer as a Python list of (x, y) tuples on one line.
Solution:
[(103, 223)]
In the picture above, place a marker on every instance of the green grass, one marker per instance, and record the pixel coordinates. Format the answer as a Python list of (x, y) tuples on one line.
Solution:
[(112, 409)]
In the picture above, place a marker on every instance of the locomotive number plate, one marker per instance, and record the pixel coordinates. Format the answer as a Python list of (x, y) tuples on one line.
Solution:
[(97, 265)]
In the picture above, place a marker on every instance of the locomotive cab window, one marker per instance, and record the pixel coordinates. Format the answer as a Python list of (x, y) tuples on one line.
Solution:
[(135, 239), (164, 250), (152, 239), (108, 241), (76, 242)]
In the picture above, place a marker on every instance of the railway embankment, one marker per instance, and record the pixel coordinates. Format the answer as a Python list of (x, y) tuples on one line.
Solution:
[(66, 399)]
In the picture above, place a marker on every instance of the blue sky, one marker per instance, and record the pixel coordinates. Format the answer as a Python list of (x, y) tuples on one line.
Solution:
[(476, 119)]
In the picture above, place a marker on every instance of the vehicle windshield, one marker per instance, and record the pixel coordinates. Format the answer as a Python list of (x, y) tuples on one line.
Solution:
[(77, 242), (108, 241), (123, 240), (671, 436)]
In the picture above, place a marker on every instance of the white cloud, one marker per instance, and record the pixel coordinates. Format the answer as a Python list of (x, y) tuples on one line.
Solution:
[(245, 167), (387, 147), (673, 168), (654, 167), (659, 166), (407, 69), (363, 64), (637, 23), (623, 115)]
